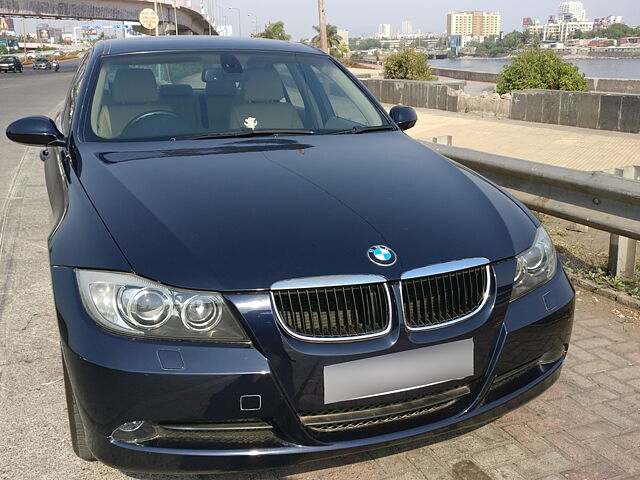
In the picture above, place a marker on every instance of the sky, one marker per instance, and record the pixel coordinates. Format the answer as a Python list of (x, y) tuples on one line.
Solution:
[(361, 17)]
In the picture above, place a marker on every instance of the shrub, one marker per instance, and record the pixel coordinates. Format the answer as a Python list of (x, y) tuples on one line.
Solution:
[(407, 65), (540, 69)]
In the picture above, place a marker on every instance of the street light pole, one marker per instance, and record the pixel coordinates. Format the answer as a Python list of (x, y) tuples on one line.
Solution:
[(239, 20), (323, 27), (175, 14), (256, 19), (24, 32), (155, 9)]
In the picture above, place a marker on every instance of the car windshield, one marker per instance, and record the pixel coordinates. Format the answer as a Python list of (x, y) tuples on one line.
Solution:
[(41, 59), (196, 95), (6, 59)]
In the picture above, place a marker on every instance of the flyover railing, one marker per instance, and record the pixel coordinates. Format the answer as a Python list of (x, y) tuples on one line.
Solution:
[(596, 199)]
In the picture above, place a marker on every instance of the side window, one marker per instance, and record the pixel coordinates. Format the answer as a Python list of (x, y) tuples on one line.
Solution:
[(72, 97), (343, 104)]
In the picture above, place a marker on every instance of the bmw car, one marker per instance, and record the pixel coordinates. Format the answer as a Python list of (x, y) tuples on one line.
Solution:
[(42, 64), (253, 264)]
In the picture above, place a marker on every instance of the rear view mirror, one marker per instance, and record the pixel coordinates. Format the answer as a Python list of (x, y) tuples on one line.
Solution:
[(35, 130), (405, 117)]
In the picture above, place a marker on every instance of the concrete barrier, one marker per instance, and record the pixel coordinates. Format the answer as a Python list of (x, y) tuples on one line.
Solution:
[(610, 85), (615, 85), (468, 75), (602, 111), (415, 93)]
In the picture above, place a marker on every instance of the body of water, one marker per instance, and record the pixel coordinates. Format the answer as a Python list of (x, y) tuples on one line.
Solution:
[(591, 67)]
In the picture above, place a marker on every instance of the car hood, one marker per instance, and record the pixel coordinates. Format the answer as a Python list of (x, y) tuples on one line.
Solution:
[(241, 214)]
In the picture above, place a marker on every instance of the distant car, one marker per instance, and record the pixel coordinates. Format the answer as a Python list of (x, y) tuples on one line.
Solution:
[(41, 64), (31, 55), (10, 64), (58, 53)]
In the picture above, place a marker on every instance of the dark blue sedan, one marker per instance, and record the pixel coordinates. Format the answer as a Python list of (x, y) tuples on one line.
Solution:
[(253, 265)]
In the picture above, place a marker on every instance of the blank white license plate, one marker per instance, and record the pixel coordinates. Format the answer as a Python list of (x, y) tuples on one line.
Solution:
[(397, 372)]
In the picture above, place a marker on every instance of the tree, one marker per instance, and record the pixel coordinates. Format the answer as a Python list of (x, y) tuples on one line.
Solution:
[(274, 31), (492, 46), (333, 39), (538, 68), (618, 31), (407, 65), (368, 44), (578, 34)]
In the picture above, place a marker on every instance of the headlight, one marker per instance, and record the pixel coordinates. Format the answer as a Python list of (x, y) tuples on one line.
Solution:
[(534, 266), (129, 304)]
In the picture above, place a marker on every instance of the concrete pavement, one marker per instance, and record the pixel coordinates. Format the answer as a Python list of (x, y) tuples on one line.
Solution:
[(572, 147)]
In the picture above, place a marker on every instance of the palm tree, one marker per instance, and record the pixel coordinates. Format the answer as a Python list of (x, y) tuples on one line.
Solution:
[(274, 31), (333, 39)]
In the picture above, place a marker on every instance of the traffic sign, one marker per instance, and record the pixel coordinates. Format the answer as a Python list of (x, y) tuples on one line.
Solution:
[(149, 18)]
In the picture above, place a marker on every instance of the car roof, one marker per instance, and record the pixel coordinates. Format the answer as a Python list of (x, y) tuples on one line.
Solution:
[(199, 42)]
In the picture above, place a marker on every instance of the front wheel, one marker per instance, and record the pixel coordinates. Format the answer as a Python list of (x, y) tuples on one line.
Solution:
[(76, 427)]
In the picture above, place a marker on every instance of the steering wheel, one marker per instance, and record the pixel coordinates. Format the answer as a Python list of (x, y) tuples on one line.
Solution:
[(152, 123)]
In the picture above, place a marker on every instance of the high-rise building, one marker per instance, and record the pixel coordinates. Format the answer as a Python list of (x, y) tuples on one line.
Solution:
[(407, 27), (344, 34), (474, 23), (384, 30), (572, 12)]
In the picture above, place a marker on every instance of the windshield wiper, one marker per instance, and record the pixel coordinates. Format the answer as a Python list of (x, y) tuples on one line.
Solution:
[(248, 132), (362, 129)]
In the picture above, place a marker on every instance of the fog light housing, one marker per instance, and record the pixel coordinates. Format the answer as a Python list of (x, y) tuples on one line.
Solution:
[(135, 431), (553, 355)]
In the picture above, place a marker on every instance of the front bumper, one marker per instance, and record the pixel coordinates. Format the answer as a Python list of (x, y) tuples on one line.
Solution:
[(118, 380)]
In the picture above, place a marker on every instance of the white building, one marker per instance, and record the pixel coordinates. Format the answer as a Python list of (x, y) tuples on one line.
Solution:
[(384, 30), (563, 31), (572, 11), (407, 28), (606, 22), (344, 34)]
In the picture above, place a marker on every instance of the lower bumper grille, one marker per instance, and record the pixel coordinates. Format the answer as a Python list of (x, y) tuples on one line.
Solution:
[(340, 313), (380, 414)]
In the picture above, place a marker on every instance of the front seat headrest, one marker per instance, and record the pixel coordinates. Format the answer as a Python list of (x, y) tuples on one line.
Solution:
[(262, 84), (134, 85)]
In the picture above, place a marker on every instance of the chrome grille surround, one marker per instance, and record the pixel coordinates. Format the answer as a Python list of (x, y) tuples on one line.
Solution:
[(299, 321), (470, 267)]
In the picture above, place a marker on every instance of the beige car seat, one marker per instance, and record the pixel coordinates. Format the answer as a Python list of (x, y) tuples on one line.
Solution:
[(221, 98), (134, 91), (263, 108)]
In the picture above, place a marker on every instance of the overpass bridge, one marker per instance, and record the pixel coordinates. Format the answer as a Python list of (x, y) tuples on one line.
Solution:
[(190, 22)]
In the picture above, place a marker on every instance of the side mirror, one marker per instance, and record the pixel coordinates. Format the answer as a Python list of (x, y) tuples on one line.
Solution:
[(35, 130), (405, 117)]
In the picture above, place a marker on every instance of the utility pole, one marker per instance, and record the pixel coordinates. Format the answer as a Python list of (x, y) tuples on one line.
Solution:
[(323, 27)]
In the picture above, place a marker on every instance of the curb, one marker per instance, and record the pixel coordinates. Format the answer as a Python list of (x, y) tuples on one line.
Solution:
[(622, 298)]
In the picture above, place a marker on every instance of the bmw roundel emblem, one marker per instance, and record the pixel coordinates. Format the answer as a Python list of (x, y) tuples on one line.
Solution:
[(381, 255)]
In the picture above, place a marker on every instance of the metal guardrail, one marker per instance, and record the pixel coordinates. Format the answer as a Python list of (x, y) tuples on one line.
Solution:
[(596, 199)]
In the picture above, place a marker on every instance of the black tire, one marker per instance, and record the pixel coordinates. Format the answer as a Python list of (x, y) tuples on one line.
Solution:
[(76, 427)]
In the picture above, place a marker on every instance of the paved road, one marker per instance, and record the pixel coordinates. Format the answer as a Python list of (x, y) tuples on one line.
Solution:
[(32, 92), (587, 426)]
